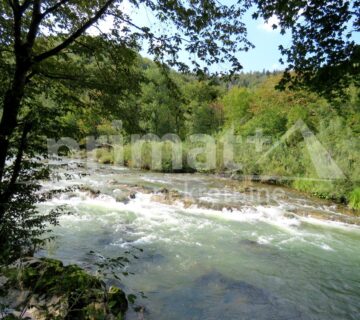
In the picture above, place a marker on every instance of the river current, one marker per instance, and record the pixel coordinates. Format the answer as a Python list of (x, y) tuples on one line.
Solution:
[(211, 248)]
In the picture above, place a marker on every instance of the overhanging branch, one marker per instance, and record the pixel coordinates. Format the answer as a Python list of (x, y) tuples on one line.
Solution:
[(75, 35), (55, 7)]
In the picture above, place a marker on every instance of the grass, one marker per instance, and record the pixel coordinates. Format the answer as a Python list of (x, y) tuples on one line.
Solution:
[(354, 199)]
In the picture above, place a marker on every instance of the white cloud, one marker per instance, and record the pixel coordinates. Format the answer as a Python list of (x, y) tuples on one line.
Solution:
[(268, 25)]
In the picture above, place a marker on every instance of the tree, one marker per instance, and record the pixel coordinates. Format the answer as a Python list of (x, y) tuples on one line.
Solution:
[(206, 114), (38, 37), (323, 55), (161, 101), (237, 102)]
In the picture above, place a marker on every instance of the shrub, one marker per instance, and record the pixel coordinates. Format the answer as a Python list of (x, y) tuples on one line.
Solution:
[(354, 199), (104, 156)]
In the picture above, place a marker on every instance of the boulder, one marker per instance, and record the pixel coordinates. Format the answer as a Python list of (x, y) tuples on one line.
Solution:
[(122, 198)]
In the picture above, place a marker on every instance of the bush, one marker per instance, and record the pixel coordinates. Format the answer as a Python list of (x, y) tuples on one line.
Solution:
[(354, 199), (104, 156), (64, 292)]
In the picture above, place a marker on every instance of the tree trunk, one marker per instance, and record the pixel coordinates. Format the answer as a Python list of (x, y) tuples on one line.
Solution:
[(11, 108)]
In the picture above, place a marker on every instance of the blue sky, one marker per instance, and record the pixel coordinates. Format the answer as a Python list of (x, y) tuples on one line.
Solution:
[(265, 55)]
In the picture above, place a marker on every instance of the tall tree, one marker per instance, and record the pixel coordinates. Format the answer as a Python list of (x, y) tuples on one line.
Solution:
[(38, 37), (23, 24)]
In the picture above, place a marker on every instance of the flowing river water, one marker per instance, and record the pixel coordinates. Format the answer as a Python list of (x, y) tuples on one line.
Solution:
[(212, 247)]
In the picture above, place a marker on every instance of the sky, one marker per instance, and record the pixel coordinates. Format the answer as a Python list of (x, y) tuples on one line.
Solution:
[(265, 55)]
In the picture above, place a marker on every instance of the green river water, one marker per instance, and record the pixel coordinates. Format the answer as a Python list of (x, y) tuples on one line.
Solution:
[(238, 257)]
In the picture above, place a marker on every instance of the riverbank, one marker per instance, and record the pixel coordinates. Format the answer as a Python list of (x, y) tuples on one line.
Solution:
[(342, 192), (45, 289)]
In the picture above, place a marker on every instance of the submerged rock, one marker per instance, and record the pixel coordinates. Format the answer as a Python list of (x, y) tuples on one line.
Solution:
[(122, 198), (249, 243), (164, 190), (323, 215), (215, 296), (93, 193), (166, 196), (154, 258), (214, 206), (188, 202)]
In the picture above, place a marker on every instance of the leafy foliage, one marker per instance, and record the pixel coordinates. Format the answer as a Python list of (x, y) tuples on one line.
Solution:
[(64, 292), (323, 55)]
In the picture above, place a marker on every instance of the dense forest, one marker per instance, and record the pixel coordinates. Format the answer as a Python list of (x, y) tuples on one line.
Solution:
[(250, 106)]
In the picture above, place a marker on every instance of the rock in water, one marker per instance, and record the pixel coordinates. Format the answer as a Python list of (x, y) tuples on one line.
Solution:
[(215, 296)]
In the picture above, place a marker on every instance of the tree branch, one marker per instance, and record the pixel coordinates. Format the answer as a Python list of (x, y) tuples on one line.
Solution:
[(25, 5), (30, 76), (55, 7), (57, 76), (147, 32), (17, 23), (35, 22), (75, 35)]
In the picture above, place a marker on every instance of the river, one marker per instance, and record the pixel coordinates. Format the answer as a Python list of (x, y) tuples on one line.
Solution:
[(211, 247)]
